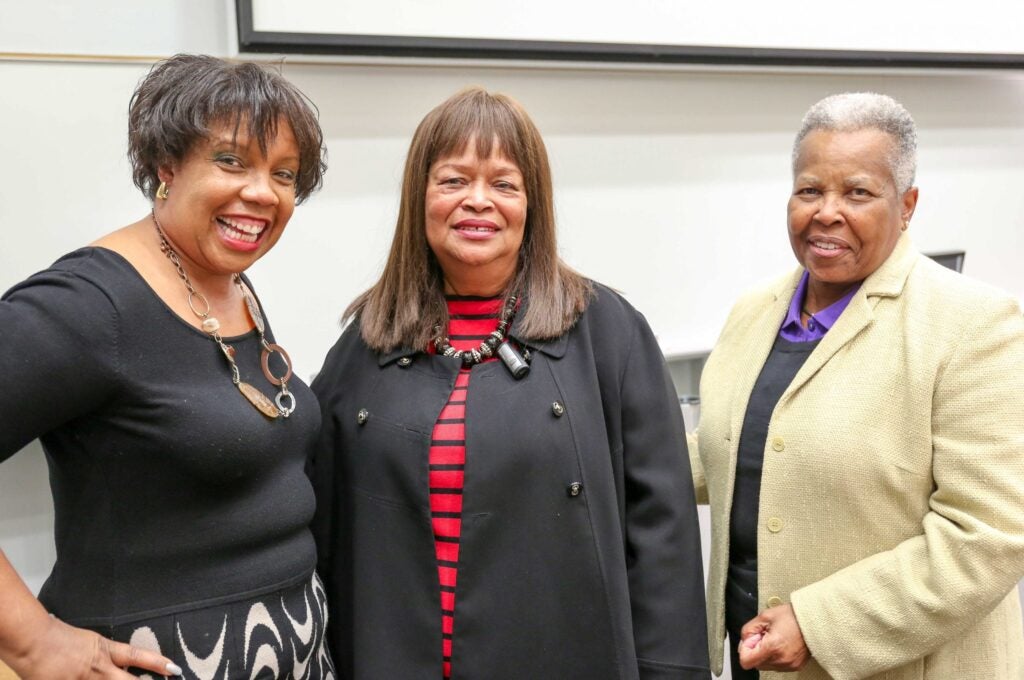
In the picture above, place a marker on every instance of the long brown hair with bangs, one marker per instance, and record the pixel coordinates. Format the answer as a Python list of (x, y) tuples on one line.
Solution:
[(406, 304)]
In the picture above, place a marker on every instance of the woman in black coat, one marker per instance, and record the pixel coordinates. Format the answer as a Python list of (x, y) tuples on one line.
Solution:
[(503, 488)]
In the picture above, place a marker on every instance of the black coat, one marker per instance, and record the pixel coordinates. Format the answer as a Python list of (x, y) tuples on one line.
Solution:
[(604, 584)]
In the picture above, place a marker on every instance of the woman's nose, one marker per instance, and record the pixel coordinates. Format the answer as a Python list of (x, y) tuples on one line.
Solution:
[(830, 208), (477, 196), (258, 189)]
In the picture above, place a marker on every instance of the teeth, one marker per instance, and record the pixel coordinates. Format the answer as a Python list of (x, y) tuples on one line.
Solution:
[(824, 245), (239, 236), (239, 231), (238, 226)]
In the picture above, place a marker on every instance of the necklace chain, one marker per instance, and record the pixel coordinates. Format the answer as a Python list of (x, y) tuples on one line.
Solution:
[(284, 401)]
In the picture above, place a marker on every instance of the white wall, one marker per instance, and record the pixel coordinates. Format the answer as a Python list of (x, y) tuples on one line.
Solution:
[(671, 185)]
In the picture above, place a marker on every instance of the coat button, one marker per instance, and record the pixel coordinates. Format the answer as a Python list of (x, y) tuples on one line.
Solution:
[(404, 362), (362, 416), (575, 488), (558, 409), (774, 525), (774, 601), (778, 444)]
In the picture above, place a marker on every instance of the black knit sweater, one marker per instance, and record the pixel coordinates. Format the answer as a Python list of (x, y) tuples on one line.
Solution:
[(171, 491)]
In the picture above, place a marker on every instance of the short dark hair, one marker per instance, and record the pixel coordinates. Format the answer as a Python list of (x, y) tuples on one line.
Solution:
[(180, 98), (407, 302)]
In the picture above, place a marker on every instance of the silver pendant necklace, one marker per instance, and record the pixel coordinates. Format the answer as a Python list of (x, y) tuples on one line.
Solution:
[(284, 401)]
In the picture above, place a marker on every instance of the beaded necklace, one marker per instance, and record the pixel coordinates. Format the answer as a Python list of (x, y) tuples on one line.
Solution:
[(495, 343)]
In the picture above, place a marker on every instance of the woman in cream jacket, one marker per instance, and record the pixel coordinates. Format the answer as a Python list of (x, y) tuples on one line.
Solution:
[(862, 437)]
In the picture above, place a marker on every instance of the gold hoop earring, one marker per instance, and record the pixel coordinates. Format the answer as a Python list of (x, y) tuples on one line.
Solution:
[(162, 192)]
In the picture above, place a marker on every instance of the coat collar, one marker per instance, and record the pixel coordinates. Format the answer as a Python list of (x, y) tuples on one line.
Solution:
[(887, 281), (386, 358), (553, 347)]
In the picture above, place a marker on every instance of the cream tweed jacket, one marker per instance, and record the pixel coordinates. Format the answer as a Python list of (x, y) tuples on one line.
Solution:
[(892, 495)]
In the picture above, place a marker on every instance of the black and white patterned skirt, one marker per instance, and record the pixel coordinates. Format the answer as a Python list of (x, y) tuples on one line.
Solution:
[(272, 637)]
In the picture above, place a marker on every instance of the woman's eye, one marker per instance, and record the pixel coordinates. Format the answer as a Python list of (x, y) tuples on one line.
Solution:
[(806, 191), (228, 160), (505, 186), (860, 192), (287, 176)]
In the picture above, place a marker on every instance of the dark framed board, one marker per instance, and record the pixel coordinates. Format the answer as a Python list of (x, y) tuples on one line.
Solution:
[(944, 35)]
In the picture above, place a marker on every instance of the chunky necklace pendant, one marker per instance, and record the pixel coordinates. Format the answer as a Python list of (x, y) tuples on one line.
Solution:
[(515, 362), (253, 307), (259, 400)]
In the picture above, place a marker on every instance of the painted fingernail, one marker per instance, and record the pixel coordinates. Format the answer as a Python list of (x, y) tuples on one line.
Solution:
[(173, 669)]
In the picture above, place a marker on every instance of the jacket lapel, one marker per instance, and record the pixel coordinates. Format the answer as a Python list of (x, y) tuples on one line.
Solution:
[(887, 281)]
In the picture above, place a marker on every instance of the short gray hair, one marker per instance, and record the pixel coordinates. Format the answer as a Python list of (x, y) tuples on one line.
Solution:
[(852, 111)]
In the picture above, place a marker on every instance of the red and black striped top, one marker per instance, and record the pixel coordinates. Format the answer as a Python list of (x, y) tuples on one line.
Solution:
[(472, 319)]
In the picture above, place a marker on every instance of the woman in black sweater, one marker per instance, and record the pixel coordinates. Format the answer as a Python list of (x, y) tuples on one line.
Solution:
[(175, 433)]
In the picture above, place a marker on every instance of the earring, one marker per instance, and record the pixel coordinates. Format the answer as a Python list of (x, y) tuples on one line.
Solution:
[(162, 192), (906, 225)]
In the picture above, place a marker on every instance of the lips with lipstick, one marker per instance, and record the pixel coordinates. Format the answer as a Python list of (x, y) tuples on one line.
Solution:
[(476, 228), (246, 231)]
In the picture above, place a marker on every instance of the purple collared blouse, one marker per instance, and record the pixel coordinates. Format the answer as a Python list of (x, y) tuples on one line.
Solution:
[(819, 323)]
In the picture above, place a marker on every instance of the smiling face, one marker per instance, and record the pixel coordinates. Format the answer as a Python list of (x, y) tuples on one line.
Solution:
[(475, 220), (229, 202), (845, 213)]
